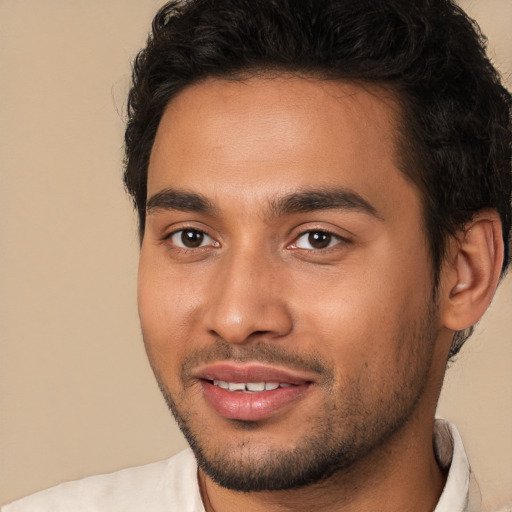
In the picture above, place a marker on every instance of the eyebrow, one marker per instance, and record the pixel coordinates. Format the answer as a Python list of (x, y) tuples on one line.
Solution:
[(321, 199), (172, 199), (303, 201)]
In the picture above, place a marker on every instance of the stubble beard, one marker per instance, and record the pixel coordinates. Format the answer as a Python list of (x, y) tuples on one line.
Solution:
[(345, 431)]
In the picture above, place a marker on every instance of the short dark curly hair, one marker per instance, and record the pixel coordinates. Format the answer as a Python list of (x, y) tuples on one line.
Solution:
[(455, 133)]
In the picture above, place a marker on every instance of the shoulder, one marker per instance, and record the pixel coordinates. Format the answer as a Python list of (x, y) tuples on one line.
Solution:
[(163, 485)]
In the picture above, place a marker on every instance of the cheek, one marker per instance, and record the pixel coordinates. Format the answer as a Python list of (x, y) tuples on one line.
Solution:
[(166, 306), (360, 317)]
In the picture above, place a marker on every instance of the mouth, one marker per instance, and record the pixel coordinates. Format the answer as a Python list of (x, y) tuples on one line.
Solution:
[(251, 387), (251, 392)]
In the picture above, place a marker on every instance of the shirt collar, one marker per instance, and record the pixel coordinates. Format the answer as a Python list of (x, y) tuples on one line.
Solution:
[(461, 492)]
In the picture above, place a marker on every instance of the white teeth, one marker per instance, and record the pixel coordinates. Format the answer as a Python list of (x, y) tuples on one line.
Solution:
[(250, 386), (255, 386), (236, 386)]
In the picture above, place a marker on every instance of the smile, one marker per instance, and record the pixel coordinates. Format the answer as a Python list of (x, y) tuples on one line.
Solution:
[(251, 387), (252, 401), (252, 391)]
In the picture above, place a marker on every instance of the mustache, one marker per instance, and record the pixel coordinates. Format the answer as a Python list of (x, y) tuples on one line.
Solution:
[(257, 352)]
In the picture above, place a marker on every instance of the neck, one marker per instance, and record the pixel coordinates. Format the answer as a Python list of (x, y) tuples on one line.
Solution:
[(401, 476)]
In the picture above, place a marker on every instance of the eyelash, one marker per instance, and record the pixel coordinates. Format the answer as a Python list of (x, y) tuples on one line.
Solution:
[(333, 237), (184, 230)]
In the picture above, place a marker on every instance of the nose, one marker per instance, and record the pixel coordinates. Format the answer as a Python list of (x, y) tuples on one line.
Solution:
[(248, 301)]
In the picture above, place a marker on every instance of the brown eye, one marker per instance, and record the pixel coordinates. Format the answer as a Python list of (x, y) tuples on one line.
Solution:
[(316, 240), (319, 239), (191, 239)]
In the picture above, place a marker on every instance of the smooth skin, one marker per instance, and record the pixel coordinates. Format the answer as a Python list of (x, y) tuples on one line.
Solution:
[(245, 274)]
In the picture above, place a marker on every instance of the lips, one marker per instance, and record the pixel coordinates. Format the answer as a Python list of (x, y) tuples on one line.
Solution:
[(251, 392)]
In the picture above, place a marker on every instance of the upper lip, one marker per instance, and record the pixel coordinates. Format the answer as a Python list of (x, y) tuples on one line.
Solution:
[(250, 372)]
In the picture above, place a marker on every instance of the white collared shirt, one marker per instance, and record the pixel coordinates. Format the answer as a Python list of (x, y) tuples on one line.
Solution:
[(171, 485), (461, 492)]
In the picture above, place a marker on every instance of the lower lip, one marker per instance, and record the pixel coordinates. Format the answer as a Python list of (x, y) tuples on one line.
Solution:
[(239, 405)]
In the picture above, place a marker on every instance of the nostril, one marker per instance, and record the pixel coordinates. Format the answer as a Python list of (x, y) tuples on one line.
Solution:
[(259, 333), (238, 321)]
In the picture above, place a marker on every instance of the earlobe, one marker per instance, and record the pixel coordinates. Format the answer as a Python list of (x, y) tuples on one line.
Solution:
[(474, 271)]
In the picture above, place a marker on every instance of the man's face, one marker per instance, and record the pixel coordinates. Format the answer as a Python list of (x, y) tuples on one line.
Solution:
[(284, 259)]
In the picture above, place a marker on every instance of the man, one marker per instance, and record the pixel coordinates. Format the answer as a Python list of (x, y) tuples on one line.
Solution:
[(323, 190)]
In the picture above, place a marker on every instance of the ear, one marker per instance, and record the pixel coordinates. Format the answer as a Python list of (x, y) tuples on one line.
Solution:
[(472, 271)]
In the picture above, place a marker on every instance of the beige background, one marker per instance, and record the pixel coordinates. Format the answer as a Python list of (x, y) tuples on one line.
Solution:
[(77, 395)]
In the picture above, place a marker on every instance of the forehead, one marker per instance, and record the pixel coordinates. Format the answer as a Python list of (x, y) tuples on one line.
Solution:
[(274, 135)]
